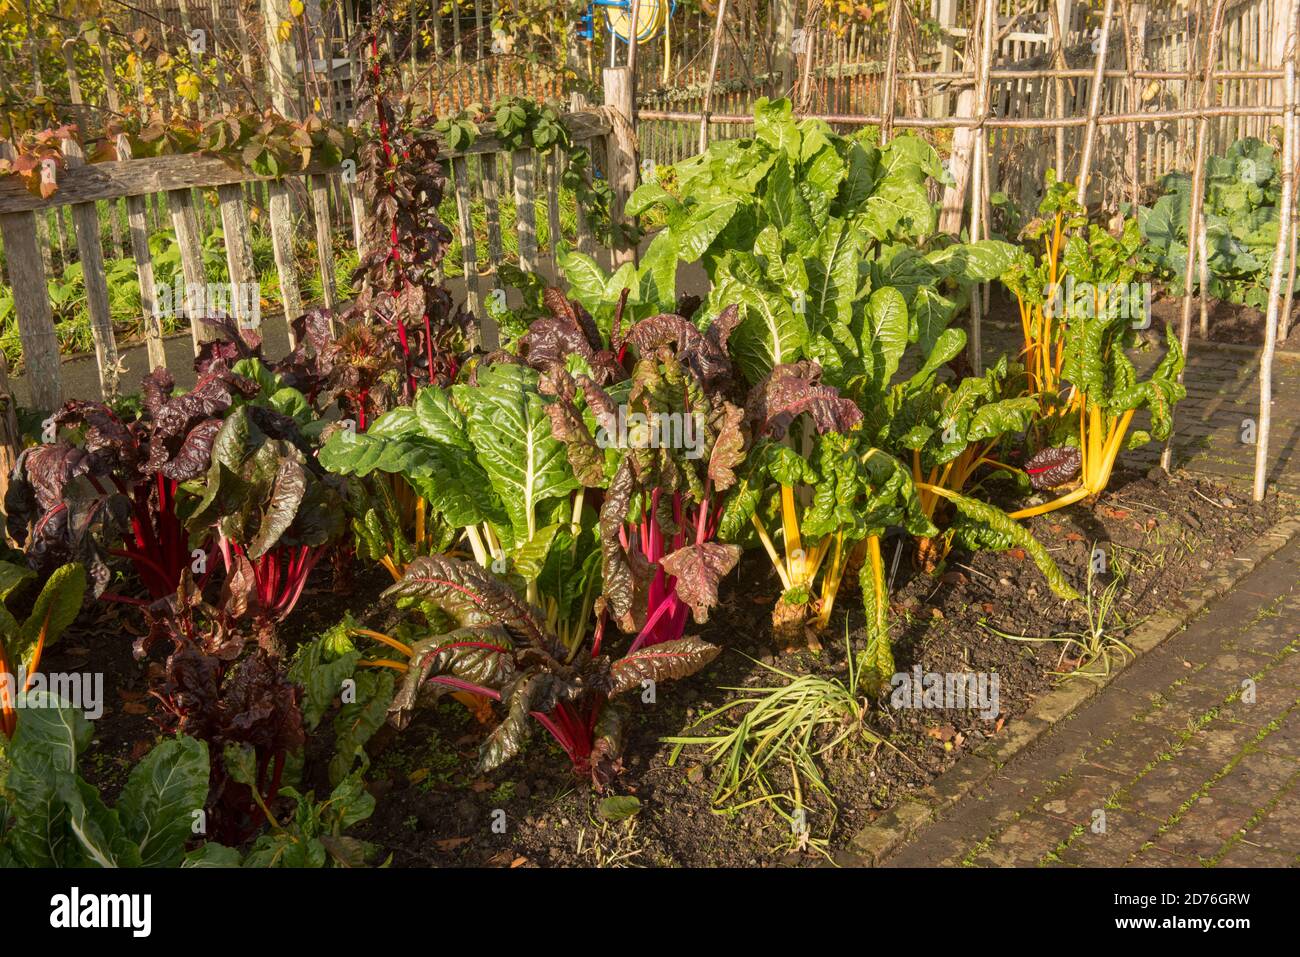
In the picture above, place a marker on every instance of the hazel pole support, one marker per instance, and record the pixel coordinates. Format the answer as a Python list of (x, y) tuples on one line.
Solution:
[(891, 74), (1279, 254), (983, 83), (1094, 101), (713, 71), (1197, 199)]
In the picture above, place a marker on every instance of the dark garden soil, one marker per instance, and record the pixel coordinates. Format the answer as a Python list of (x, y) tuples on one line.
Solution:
[(1164, 533)]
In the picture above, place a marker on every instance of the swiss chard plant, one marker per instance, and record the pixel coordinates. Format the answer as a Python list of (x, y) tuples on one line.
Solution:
[(50, 816), (483, 637), (210, 687), (108, 487), (814, 492), (677, 440), (414, 483), (1082, 318), (827, 243), (272, 509), (403, 330)]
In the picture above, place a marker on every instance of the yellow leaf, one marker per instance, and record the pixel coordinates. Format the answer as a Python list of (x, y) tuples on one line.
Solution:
[(285, 31), (296, 7)]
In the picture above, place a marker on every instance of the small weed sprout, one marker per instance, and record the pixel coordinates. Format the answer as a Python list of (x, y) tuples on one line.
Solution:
[(1100, 643)]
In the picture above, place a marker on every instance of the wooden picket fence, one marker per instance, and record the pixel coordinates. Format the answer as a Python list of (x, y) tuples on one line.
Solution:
[(182, 179)]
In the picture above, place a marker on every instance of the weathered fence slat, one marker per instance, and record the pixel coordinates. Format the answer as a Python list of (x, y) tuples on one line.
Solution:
[(318, 189), (138, 228), (469, 252), (521, 161), (280, 215), (245, 295), (555, 235), (492, 211), (186, 226)]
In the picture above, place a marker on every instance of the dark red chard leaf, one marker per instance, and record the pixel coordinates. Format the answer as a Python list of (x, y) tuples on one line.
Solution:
[(239, 589), (687, 305), (530, 692), (236, 343), (792, 389), (728, 444), (662, 662), (47, 470), (560, 305), (722, 326), (586, 457), (705, 355), (262, 706), (194, 455), (698, 570), (623, 583), (281, 507), (172, 418), (1052, 467), (483, 657), (470, 594), (568, 330), (598, 400), (156, 388), (113, 444)]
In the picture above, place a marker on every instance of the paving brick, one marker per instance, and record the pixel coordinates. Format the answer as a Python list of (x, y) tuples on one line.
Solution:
[(1204, 828), (1123, 836), (1025, 842)]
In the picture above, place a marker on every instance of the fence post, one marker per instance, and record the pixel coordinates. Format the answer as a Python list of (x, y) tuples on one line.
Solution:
[(1285, 204), (783, 58), (947, 20), (620, 148), (32, 306)]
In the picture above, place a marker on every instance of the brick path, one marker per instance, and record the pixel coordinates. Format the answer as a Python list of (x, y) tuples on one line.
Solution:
[(1170, 765)]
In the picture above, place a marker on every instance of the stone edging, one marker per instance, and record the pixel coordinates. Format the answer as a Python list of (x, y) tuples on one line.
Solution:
[(878, 840)]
